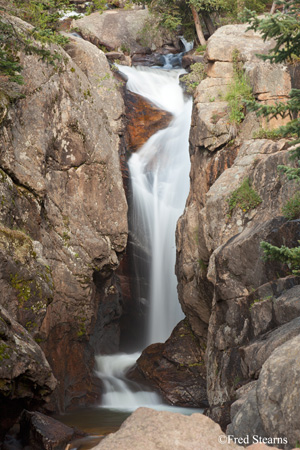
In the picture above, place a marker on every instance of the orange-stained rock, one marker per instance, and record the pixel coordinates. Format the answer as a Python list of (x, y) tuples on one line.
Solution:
[(144, 119)]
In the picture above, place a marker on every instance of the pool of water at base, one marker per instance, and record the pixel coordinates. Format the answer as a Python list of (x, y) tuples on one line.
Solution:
[(98, 422)]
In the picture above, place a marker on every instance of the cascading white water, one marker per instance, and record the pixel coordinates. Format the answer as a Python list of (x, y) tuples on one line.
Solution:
[(120, 393), (159, 173)]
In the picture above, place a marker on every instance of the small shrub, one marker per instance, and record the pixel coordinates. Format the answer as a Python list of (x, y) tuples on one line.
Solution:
[(267, 134), (259, 300), (239, 91), (244, 197), (286, 255), (291, 209), (192, 79), (125, 49), (200, 49)]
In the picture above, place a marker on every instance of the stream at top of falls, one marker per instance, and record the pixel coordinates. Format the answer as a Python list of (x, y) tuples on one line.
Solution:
[(159, 175)]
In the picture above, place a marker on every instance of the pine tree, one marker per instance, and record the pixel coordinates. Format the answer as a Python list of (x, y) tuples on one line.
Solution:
[(284, 28)]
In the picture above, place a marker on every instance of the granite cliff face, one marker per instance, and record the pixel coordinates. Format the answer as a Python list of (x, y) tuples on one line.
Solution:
[(64, 213), (227, 291)]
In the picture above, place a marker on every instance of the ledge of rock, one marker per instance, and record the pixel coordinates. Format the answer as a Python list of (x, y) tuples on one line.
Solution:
[(143, 120), (271, 407)]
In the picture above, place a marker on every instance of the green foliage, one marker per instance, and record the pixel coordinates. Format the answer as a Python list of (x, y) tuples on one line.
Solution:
[(192, 79), (200, 49), (239, 91), (259, 300), (208, 5), (286, 255), (267, 134), (96, 5), (284, 28), (23, 287), (291, 209), (244, 198), (176, 15), (44, 16), (4, 351)]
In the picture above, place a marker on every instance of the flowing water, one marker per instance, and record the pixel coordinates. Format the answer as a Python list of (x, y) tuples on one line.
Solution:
[(159, 174)]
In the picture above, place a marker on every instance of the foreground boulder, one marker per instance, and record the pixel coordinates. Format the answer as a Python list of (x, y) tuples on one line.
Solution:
[(26, 379), (154, 430), (41, 432)]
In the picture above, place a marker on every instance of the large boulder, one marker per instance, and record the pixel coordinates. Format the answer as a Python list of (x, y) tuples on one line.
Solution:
[(271, 408), (134, 31), (26, 379), (64, 213), (226, 39), (126, 26), (177, 368), (41, 432), (154, 430)]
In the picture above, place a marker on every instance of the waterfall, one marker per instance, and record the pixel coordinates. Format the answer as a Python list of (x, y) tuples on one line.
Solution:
[(159, 173), (119, 392)]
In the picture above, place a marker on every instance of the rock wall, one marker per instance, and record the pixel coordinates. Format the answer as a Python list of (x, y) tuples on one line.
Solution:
[(227, 291), (64, 213)]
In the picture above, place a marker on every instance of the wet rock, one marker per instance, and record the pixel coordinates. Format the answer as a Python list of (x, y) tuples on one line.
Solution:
[(177, 368), (153, 430), (44, 433), (143, 120), (154, 59), (26, 379), (191, 58)]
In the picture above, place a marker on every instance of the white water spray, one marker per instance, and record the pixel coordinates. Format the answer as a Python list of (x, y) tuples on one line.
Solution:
[(120, 393)]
